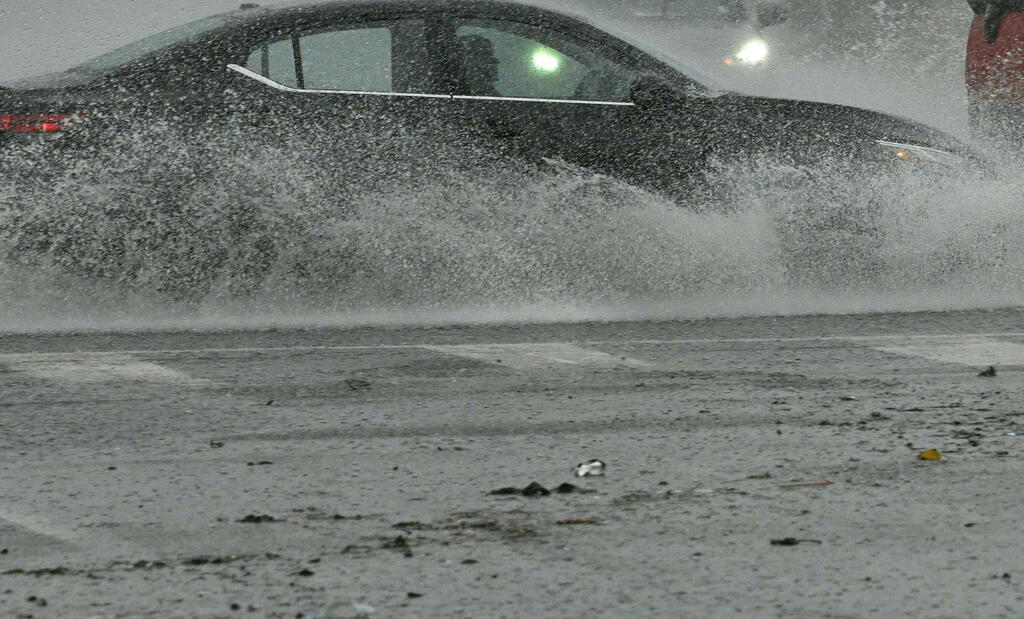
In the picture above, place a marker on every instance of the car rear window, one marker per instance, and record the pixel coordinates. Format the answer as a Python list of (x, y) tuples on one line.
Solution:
[(355, 59), (138, 49)]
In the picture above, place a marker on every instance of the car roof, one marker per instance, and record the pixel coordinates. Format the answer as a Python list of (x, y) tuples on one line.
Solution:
[(575, 11), (288, 6), (311, 8)]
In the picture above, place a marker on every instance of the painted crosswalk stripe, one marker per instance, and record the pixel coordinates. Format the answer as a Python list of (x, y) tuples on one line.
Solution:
[(95, 368), (538, 356), (37, 525), (978, 352)]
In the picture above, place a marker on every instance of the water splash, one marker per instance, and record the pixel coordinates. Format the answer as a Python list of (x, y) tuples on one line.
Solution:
[(278, 235)]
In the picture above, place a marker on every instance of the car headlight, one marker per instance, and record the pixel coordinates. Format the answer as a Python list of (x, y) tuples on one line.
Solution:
[(754, 51), (911, 153)]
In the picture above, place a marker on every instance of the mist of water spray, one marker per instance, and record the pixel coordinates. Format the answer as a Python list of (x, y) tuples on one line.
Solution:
[(184, 235)]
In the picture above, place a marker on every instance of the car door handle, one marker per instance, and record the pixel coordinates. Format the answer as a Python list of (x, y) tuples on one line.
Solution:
[(502, 128)]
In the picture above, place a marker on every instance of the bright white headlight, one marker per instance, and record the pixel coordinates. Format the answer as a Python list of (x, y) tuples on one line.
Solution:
[(912, 153), (754, 51)]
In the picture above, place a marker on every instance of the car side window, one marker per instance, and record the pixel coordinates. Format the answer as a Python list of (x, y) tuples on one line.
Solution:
[(276, 61), (379, 57), (357, 60), (508, 59)]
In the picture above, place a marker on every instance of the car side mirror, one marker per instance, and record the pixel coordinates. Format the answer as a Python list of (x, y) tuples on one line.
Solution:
[(771, 15), (650, 91)]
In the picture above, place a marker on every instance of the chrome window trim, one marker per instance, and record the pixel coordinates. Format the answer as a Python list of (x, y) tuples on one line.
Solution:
[(529, 100), (279, 86)]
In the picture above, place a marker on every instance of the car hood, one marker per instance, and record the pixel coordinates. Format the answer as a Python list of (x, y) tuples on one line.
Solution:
[(836, 124)]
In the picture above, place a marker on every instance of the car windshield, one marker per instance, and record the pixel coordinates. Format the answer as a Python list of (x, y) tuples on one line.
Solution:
[(640, 38), (138, 49)]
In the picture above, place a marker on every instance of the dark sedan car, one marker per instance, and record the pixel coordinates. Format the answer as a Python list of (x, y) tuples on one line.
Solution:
[(480, 77)]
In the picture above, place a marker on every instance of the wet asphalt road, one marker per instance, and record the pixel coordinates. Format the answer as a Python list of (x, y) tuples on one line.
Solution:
[(287, 473)]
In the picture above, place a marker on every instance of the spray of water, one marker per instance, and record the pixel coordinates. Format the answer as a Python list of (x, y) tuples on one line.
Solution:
[(214, 235)]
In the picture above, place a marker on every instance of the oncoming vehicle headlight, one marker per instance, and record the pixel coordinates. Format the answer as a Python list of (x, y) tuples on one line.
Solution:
[(754, 51), (911, 153)]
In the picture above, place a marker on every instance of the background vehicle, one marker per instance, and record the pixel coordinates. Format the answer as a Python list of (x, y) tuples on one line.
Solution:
[(995, 69), (738, 42)]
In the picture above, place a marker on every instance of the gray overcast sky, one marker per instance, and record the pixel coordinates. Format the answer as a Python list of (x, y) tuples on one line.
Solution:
[(37, 36)]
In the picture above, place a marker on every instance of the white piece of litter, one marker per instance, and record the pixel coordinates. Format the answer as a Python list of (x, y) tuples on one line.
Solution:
[(589, 469)]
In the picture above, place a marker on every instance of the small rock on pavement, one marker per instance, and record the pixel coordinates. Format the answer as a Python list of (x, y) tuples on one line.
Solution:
[(533, 490), (506, 490), (792, 541), (256, 519), (399, 543)]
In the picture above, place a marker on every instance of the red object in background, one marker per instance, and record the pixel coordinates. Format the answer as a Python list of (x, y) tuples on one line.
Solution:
[(996, 70), (35, 123)]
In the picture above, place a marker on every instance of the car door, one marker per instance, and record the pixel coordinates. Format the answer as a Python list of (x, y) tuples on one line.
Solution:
[(544, 90), (365, 89)]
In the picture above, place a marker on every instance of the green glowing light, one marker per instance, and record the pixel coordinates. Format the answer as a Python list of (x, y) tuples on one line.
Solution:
[(544, 60)]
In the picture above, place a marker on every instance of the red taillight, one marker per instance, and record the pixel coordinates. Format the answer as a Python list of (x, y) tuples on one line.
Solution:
[(37, 123)]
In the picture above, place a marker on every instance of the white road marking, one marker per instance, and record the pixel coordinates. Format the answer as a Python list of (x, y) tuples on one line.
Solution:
[(537, 356), (980, 352), (556, 351), (863, 340), (95, 368), (37, 525)]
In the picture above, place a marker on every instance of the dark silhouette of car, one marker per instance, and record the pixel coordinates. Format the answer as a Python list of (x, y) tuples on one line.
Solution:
[(481, 77)]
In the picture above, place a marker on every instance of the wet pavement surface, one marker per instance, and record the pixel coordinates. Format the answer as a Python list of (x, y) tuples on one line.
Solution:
[(760, 467)]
